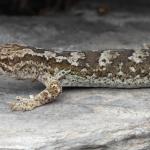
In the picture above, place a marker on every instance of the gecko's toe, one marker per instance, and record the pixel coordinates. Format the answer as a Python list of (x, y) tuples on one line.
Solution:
[(15, 106), (21, 106), (19, 98)]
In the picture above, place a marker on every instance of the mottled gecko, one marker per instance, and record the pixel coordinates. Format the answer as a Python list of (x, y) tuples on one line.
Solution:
[(126, 68)]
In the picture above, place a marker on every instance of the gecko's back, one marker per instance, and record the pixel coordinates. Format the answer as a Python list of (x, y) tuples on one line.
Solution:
[(111, 68)]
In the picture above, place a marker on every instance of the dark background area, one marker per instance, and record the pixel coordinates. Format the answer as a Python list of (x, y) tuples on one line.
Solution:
[(47, 7)]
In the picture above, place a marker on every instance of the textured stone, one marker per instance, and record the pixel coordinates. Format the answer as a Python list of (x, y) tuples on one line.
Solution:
[(81, 118)]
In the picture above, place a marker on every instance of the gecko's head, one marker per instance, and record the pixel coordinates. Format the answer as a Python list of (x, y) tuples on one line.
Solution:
[(9, 57), (8, 50), (19, 60)]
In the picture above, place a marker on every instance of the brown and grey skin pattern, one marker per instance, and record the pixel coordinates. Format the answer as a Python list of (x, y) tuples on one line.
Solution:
[(124, 68)]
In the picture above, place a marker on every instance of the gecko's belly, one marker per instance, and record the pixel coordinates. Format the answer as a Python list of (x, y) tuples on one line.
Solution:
[(77, 81)]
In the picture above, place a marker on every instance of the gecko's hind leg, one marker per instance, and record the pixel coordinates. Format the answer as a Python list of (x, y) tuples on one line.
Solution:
[(53, 89)]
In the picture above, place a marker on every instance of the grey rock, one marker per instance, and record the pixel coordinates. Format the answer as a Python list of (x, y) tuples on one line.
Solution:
[(81, 118)]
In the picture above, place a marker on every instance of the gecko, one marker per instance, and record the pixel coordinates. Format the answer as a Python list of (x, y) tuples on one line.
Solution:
[(112, 68)]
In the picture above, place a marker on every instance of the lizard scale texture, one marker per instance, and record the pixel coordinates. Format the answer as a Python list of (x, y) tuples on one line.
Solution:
[(124, 68)]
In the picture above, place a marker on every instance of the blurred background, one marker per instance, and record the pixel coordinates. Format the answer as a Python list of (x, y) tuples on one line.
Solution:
[(47, 7), (76, 24)]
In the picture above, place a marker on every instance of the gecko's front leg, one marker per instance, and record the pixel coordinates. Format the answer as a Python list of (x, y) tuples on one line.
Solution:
[(49, 94)]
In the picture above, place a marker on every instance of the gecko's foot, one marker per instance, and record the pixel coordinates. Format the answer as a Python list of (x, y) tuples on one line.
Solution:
[(23, 104), (46, 96)]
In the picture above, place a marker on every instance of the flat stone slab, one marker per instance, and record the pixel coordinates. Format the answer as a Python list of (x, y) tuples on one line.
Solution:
[(91, 118), (81, 118), (70, 32)]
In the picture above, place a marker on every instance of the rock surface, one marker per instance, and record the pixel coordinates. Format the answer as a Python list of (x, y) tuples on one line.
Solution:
[(81, 118)]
